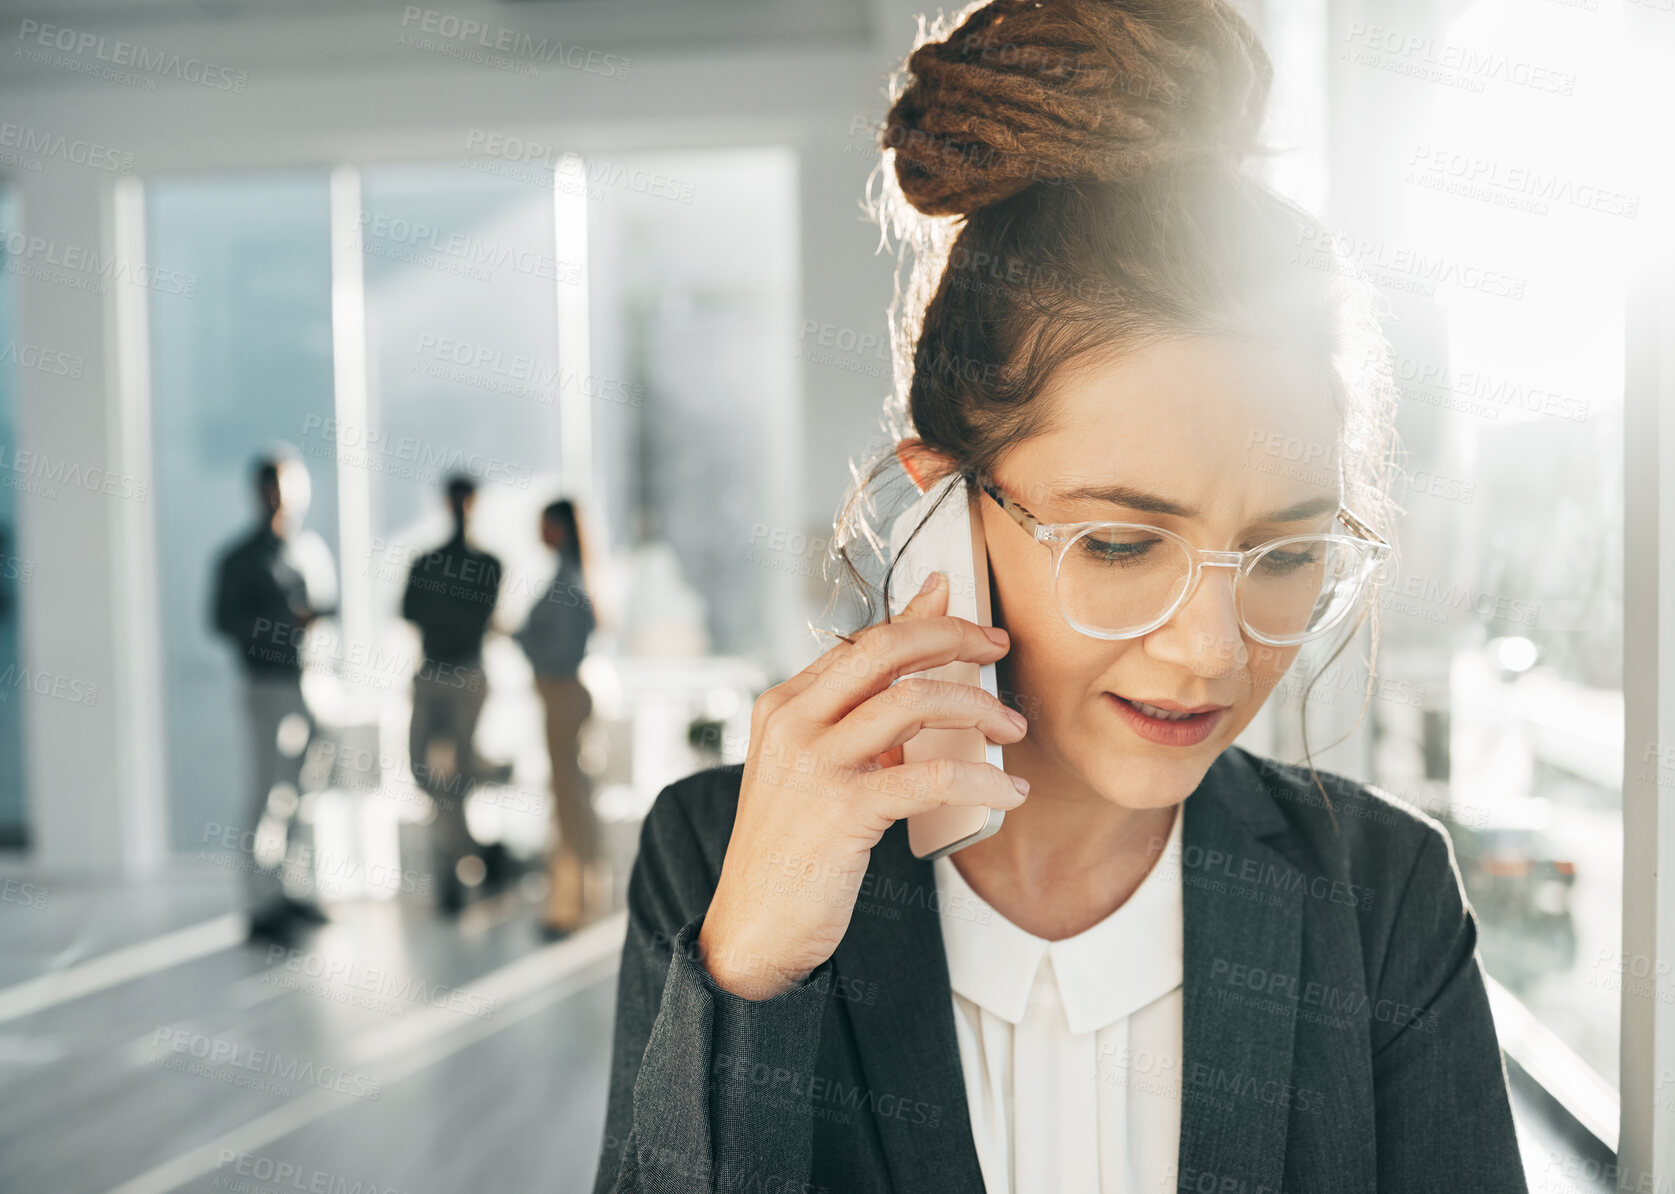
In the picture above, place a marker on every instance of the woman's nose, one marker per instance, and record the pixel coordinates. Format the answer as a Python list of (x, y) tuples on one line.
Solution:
[(1204, 634)]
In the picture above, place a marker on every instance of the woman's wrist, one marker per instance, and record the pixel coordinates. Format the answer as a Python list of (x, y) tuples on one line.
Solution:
[(739, 967)]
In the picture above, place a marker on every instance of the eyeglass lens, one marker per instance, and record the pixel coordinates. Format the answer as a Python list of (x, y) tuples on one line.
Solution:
[(1122, 579)]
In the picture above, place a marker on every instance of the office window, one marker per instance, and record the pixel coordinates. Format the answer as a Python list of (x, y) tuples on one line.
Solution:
[(241, 358), (462, 276), (1498, 214), (695, 320)]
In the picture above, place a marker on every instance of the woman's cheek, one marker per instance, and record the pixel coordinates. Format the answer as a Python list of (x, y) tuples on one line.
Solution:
[(1268, 670), (1016, 602), (1020, 679), (1063, 683)]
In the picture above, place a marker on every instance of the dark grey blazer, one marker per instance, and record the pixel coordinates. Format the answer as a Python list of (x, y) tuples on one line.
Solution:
[(1336, 1031)]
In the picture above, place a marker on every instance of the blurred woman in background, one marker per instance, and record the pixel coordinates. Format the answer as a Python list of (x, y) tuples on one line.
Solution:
[(554, 637)]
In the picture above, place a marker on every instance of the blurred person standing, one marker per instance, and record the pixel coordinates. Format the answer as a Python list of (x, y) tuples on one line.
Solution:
[(554, 637), (270, 586), (450, 596)]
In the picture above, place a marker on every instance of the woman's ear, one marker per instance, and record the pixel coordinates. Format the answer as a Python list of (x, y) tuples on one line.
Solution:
[(924, 465)]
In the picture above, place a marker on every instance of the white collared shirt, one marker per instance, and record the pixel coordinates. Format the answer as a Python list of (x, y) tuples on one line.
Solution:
[(1071, 1049)]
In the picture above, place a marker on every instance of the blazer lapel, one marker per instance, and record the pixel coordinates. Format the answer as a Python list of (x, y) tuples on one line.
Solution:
[(1236, 1046), (1243, 908), (910, 1059)]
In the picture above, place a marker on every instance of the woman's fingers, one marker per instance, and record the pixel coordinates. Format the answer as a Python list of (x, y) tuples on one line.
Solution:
[(930, 601), (823, 783), (884, 721), (932, 598), (872, 677), (899, 792), (882, 654)]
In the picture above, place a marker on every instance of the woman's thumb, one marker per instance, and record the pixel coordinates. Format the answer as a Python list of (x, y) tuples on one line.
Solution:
[(933, 590)]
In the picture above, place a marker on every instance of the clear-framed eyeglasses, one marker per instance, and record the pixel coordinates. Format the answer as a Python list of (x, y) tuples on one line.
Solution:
[(1115, 580)]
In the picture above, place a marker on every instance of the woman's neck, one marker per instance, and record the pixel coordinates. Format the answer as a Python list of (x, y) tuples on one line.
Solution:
[(1067, 857)]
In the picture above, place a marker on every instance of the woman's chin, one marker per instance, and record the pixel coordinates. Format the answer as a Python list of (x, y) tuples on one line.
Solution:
[(1138, 781), (1138, 775)]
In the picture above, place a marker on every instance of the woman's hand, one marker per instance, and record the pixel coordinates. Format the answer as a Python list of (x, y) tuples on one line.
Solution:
[(824, 779)]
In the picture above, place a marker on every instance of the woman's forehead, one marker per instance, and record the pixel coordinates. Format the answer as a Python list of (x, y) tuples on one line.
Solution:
[(1183, 382), (1235, 424)]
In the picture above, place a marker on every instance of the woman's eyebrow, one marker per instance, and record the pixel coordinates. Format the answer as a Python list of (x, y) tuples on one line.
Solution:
[(1151, 503)]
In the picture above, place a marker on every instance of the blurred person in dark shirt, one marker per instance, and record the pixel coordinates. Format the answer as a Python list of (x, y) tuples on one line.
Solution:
[(554, 637), (270, 586), (450, 596)]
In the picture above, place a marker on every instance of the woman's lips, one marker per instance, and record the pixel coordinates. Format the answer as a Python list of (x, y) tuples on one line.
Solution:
[(1174, 731)]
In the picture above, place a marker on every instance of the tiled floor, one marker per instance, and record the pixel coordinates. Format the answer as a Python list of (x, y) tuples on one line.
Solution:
[(389, 1051)]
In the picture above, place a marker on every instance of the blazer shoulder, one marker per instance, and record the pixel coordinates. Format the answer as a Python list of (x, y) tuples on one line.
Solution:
[(1362, 828)]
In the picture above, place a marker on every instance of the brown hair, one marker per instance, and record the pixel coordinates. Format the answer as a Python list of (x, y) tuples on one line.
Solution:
[(1065, 177)]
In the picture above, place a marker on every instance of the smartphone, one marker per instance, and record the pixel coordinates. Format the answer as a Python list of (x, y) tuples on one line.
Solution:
[(951, 543)]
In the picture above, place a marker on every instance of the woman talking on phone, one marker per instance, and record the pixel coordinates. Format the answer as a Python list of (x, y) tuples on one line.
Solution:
[(1177, 965)]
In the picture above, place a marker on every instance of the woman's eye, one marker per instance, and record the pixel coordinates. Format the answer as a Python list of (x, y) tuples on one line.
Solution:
[(1116, 551), (1282, 562)]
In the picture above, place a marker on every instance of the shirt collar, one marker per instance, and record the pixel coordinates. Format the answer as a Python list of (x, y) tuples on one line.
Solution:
[(1104, 973)]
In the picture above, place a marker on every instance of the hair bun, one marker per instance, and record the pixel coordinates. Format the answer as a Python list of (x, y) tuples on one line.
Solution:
[(1072, 90)]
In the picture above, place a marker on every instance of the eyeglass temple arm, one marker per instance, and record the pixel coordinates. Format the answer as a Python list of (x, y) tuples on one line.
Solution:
[(1366, 532), (1017, 513)]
